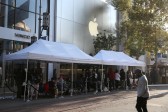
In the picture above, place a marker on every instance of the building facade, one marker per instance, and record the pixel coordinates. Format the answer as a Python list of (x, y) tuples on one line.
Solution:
[(78, 22), (71, 21), (19, 27)]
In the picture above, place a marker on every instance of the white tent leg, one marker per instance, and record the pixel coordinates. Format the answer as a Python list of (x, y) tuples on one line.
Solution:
[(86, 85), (126, 87), (25, 83), (72, 81), (101, 85)]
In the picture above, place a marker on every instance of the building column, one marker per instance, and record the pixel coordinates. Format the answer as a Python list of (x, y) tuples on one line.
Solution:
[(3, 62)]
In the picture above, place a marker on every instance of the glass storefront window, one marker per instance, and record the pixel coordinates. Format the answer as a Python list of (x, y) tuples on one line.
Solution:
[(7, 2), (17, 46), (1, 48), (3, 1), (11, 16), (9, 47), (26, 5), (11, 3), (21, 14), (2, 15), (43, 9), (30, 22), (43, 6), (25, 21)]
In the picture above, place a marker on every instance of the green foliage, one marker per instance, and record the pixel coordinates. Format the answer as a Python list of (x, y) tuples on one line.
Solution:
[(104, 41), (121, 5), (143, 28)]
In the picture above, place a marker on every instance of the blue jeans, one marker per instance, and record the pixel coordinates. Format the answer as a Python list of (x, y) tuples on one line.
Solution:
[(141, 105)]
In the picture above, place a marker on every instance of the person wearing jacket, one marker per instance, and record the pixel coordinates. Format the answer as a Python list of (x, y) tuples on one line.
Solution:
[(142, 92)]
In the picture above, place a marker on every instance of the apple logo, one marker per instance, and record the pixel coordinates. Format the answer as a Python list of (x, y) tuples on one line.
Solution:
[(93, 27)]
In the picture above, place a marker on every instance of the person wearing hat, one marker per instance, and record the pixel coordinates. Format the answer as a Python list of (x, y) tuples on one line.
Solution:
[(142, 91)]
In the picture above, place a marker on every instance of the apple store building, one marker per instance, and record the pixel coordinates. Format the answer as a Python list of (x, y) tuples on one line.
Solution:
[(71, 21), (79, 21)]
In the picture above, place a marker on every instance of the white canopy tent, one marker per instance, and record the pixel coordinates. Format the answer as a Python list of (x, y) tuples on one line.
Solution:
[(52, 52), (117, 58)]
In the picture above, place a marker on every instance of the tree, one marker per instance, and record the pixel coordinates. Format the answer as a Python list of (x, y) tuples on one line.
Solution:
[(104, 41), (143, 25)]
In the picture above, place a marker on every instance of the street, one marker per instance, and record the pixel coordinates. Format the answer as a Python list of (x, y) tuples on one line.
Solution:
[(115, 101)]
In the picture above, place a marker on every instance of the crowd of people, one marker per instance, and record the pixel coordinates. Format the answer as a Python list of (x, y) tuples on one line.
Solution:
[(90, 80), (119, 79)]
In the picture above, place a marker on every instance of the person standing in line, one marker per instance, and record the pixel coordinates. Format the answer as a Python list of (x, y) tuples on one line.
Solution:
[(111, 76), (122, 78), (117, 79), (142, 92), (95, 79), (129, 76)]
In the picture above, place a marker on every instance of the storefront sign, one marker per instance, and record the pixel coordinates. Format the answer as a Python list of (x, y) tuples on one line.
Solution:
[(22, 36)]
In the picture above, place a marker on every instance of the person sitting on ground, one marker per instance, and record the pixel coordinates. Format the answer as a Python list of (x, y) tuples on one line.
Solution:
[(46, 88)]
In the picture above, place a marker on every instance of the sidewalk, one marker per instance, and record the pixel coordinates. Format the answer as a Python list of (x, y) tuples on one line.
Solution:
[(16, 103), (118, 101), (13, 98), (59, 98)]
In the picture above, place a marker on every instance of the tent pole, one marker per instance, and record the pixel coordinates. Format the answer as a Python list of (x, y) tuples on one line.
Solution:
[(25, 83), (72, 81), (101, 86), (126, 87)]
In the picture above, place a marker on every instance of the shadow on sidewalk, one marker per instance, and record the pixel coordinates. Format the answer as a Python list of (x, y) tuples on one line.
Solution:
[(158, 95)]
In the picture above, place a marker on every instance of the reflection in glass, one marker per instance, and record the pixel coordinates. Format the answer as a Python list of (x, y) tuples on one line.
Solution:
[(21, 14), (11, 3), (3, 1), (24, 21), (11, 15), (26, 5), (9, 48), (2, 15), (43, 5), (22, 26), (21, 20), (1, 48)]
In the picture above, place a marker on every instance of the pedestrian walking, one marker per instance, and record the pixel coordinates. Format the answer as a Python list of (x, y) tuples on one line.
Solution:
[(142, 92)]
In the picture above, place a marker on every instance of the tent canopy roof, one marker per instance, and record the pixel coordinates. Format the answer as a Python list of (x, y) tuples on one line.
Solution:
[(60, 52), (54, 52), (117, 58)]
